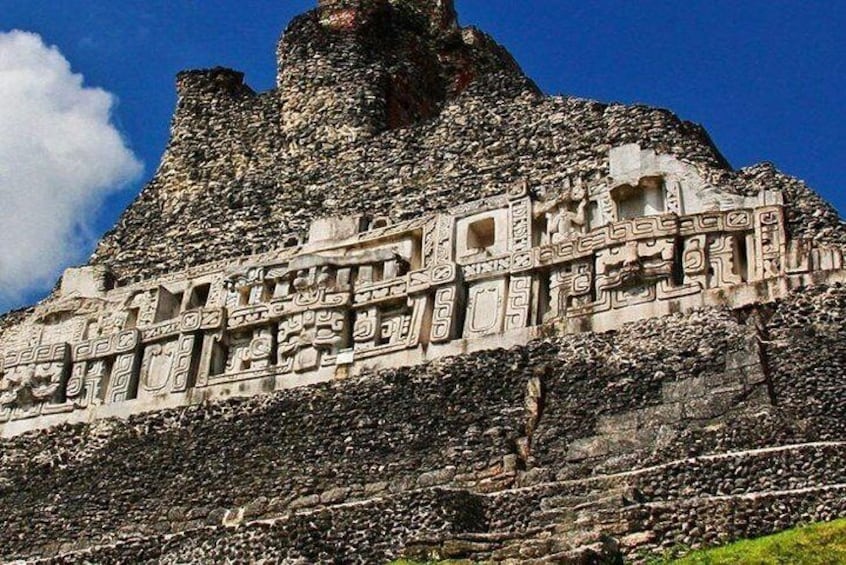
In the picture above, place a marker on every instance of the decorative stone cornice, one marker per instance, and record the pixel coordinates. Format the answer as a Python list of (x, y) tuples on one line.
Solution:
[(653, 238)]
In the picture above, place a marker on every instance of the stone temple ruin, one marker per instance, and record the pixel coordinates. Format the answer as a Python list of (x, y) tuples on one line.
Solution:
[(365, 293), (406, 305)]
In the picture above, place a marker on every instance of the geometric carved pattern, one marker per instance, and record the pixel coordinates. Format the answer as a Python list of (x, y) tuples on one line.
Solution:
[(520, 236), (182, 366), (519, 302), (157, 365), (166, 366), (443, 316), (291, 310), (310, 339), (124, 379), (771, 243), (723, 256)]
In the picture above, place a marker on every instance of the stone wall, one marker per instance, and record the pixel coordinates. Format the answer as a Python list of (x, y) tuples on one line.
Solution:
[(806, 350), (444, 117), (369, 532), (694, 428), (324, 444), (362, 294), (484, 422)]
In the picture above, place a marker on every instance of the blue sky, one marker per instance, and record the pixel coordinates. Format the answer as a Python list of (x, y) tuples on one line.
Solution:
[(764, 77)]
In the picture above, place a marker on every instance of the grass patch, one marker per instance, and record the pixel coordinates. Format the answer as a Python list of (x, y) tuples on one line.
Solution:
[(818, 544), (448, 562)]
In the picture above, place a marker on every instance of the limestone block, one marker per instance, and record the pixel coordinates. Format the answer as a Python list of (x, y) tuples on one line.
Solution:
[(85, 282), (334, 229), (625, 163)]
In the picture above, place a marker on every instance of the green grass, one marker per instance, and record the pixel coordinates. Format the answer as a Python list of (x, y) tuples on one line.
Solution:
[(449, 562), (818, 544)]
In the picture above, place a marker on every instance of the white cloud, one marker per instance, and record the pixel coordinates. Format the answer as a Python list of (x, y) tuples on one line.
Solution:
[(60, 156)]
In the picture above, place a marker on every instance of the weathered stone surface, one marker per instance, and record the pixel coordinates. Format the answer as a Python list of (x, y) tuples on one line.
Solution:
[(292, 442), (404, 304)]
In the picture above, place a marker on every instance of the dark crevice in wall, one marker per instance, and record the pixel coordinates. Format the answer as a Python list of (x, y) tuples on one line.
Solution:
[(534, 405), (757, 318)]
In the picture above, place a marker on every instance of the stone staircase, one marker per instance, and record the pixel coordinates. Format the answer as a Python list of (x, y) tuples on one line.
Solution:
[(605, 518), (697, 400), (563, 530), (630, 515)]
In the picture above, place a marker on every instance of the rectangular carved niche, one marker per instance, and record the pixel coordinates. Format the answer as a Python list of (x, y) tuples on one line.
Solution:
[(485, 308), (167, 366), (645, 199), (482, 235), (169, 304), (156, 367)]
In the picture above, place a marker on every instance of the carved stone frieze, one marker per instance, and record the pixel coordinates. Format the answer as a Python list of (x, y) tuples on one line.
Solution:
[(485, 308), (492, 267), (310, 340), (770, 242), (639, 244), (521, 225), (634, 263), (157, 365), (88, 383), (32, 379), (518, 307), (444, 314), (569, 287), (123, 384)]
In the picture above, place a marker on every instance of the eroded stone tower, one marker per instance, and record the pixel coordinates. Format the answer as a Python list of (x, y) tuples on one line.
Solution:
[(406, 304)]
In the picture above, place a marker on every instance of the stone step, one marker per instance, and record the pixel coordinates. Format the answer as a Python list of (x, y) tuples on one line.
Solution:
[(544, 545), (585, 508), (584, 500), (610, 531), (588, 512), (610, 444), (637, 430), (569, 538), (717, 520), (838, 487), (611, 480), (461, 546)]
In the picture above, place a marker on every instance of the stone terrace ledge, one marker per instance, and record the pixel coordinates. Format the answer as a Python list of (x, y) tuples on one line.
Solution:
[(363, 294)]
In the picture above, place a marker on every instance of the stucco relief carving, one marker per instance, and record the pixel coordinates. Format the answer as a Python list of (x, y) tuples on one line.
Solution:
[(310, 340), (565, 222), (723, 252), (519, 303), (123, 384), (569, 287), (634, 263), (443, 317), (88, 383), (770, 241), (166, 366), (28, 385), (477, 271), (157, 364), (521, 225), (694, 261), (33, 380), (485, 308)]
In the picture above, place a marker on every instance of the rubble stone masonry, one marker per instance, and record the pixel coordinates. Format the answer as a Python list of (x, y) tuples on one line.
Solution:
[(406, 305)]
